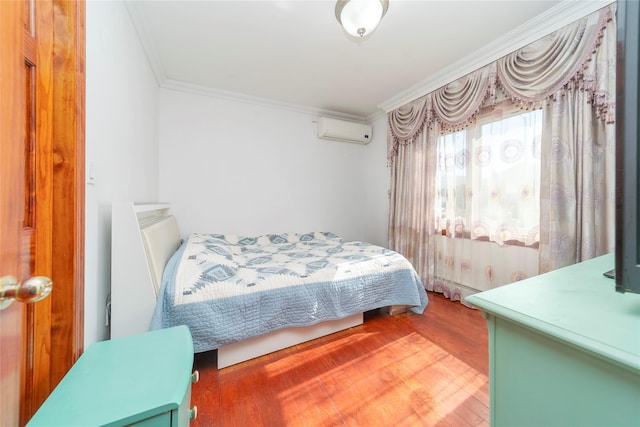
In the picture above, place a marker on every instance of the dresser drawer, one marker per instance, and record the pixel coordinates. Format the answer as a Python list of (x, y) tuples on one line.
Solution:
[(160, 420)]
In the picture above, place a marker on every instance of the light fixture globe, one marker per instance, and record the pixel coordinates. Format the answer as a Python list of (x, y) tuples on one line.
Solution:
[(360, 17)]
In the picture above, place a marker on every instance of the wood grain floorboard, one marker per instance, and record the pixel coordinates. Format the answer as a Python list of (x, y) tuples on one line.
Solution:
[(402, 370)]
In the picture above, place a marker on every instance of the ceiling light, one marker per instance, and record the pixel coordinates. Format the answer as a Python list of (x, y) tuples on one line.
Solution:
[(360, 17)]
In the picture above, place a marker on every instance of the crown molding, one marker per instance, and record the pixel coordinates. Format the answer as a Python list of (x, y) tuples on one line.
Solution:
[(264, 102), (553, 19), (375, 116)]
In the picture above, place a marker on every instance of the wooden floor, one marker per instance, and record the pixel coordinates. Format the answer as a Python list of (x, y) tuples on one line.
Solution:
[(402, 370)]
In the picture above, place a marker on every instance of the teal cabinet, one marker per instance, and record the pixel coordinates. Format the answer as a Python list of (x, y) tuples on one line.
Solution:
[(142, 380), (564, 349)]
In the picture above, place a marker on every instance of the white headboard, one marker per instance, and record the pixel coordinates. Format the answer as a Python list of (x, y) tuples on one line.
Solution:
[(143, 238), (161, 239)]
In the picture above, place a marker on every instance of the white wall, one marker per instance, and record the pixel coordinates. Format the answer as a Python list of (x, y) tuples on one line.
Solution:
[(377, 183), (229, 166), (121, 142)]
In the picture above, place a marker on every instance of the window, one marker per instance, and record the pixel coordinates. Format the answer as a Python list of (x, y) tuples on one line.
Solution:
[(488, 179)]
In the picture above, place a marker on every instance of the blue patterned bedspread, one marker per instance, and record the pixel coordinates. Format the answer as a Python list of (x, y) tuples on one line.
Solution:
[(230, 288)]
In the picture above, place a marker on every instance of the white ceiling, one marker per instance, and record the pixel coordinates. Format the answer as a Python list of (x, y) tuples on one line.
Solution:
[(294, 52)]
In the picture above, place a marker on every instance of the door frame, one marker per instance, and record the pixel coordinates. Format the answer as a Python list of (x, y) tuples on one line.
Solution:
[(59, 325)]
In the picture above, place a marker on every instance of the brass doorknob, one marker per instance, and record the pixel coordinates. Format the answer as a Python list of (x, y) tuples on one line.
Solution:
[(33, 289)]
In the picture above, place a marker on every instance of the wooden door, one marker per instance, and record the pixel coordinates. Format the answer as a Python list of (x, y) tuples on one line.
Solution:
[(41, 195), (12, 199)]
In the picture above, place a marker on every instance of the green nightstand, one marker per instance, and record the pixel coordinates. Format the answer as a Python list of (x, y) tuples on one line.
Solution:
[(142, 380)]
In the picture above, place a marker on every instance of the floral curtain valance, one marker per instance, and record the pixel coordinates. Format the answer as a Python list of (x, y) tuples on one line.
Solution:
[(574, 56)]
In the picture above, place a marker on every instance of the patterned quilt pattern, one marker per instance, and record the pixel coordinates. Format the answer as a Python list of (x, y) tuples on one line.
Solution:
[(227, 288)]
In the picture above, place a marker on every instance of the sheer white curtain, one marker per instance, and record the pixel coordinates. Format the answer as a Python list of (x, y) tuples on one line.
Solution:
[(571, 75), (488, 205), (489, 178)]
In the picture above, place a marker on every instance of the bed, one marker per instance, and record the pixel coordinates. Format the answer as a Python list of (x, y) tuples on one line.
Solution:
[(247, 296)]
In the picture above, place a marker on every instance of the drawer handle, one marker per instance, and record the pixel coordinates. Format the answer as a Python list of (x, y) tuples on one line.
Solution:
[(193, 412), (195, 377)]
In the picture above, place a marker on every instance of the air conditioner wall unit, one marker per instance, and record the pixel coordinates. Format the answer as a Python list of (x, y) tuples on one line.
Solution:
[(345, 131)]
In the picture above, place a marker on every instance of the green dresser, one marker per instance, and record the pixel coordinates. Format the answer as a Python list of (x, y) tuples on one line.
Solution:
[(141, 380), (564, 349)]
